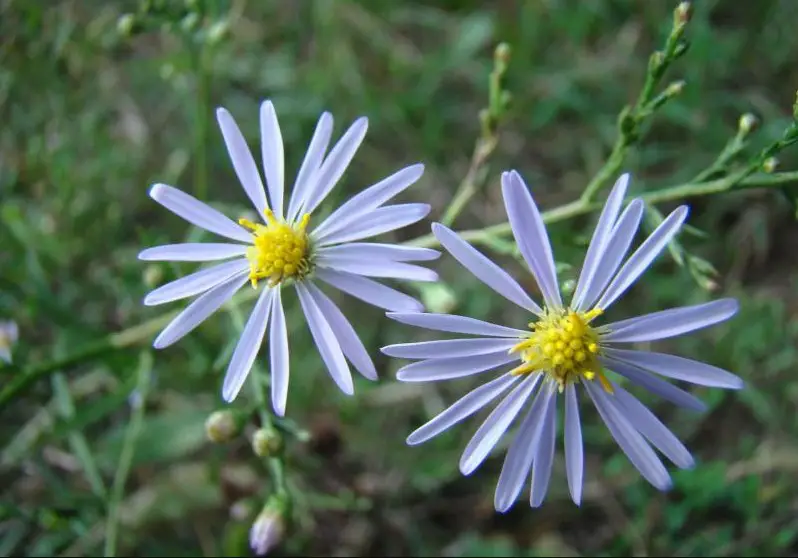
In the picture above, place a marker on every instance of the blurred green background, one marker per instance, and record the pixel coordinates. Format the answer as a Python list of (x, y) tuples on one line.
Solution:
[(91, 117)]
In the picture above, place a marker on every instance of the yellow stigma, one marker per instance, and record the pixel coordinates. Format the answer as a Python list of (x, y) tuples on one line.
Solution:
[(281, 251), (564, 346)]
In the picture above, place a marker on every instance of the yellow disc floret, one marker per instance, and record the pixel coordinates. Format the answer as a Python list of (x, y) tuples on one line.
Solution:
[(564, 346), (281, 251)]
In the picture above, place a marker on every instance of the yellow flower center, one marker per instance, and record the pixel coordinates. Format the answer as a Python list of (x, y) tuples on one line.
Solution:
[(281, 251), (564, 346)]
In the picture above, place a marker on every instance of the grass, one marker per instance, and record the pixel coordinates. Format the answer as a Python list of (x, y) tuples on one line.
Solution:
[(92, 117)]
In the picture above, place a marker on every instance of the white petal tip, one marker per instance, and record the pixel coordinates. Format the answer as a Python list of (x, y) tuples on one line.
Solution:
[(156, 190), (502, 506), (222, 112), (279, 411), (267, 104), (159, 343)]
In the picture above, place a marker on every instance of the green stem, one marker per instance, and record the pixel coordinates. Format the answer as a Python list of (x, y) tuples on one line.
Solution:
[(257, 381), (201, 120), (124, 339), (609, 169), (580, 207), (126, 456), (77, 440), (473, 179)]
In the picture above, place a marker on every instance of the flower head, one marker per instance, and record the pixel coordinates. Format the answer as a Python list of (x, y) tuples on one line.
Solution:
[(562, 351), (288, 248)]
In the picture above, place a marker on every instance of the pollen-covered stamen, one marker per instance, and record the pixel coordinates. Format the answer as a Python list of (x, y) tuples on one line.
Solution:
[(281, 251), (564, 346)]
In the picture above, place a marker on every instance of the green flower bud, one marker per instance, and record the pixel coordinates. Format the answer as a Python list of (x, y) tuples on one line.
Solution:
[(266, 443), (222, 426)]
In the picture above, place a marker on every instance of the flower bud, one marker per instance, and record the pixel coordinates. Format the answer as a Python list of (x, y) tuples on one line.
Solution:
[(501, 56), (770, 164), (222, 426), (682, 13), (266, 443), (152, 275), (675, 88), (217, 32), (747, 123), (267, 531), (125, 24)]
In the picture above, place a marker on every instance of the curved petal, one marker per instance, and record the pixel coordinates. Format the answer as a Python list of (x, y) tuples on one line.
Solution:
[(350, 342), (497, 423), (325, 341), (314, 157), (456, 324), (192, 252), (670, 323), (195, 283), (197, 213), (531, 236), (271, 144), (196, 312), (678, 368), (367, 200), (449, 348), (462, 409), (370, 291), (620, 240), (631, 442), (378, 221), (652, 428), (336, 163), (654, 384), (574, 450), (248, 346), (374, 250), (601, 236), (484, 269), (435, 369), (376, 268), (243, 162), (279, 357), (544, 458), (639, 261), (518, 460)]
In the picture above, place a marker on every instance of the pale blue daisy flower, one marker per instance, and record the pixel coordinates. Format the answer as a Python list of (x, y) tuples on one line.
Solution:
[(287, 249), (563, 351)]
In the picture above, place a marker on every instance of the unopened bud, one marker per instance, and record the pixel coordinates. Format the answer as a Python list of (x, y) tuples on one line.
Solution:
[(656, 60), (747, 123), (266, 443), (125, 24), (770, 164), (152, 275), (501, 56), (222, 426), (217, 32), (682, 13), (675, 88), (267, 531)]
